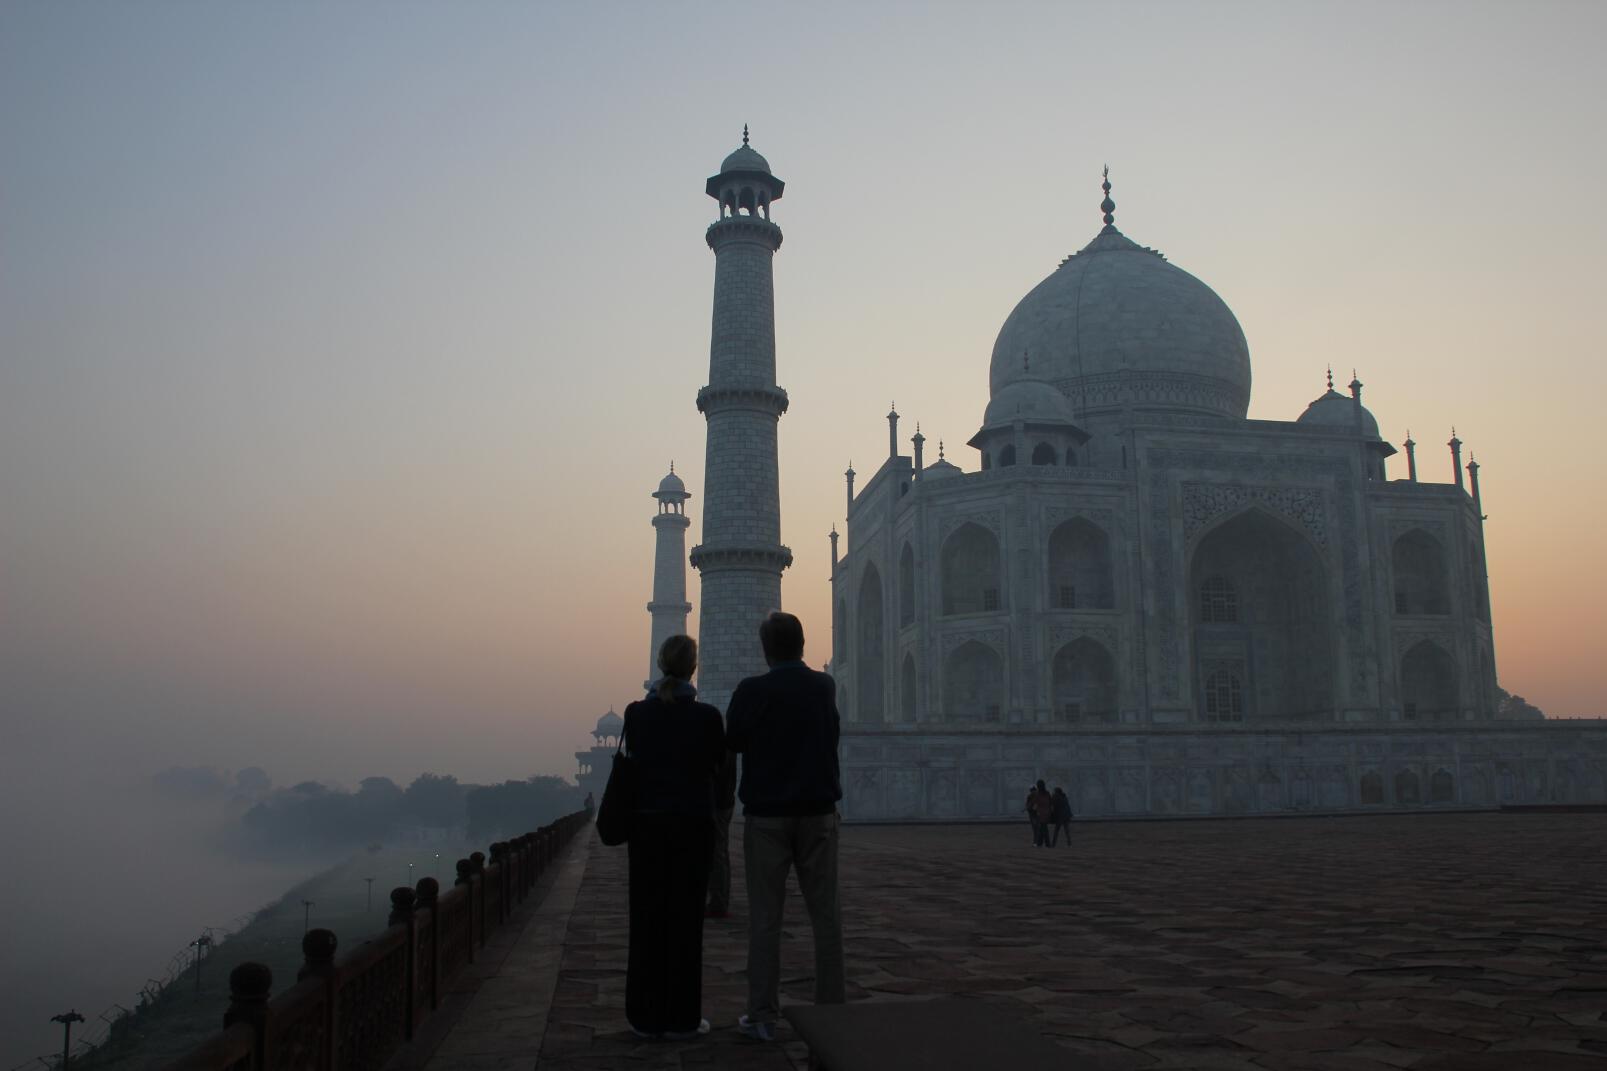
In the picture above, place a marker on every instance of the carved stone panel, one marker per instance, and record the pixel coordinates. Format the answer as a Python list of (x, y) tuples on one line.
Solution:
[(1203, 502)]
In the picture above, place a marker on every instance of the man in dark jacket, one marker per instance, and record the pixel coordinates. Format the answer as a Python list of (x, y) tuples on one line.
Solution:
[(785, 725)]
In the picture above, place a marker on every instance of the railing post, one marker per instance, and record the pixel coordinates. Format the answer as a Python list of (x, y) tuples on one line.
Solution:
[(248, 1003), (499, 856), (466, 877), (429, 892), (477, 888), (402, 915), (318, 961)]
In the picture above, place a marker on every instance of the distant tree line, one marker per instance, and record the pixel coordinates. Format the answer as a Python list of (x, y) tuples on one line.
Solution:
[(311, 816), (1515, 706)]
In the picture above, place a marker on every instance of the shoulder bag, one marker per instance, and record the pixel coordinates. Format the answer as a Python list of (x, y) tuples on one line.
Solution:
[(619, 798)]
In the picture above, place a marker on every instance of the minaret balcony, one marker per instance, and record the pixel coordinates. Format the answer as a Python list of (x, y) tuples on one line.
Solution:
[(742, 228), (704, 558), (766, 399)]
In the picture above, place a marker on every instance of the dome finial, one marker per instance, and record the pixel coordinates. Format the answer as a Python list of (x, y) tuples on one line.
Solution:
[(744, 133), (1330, 377), (940, 449), (672, 466), (1107, 206)]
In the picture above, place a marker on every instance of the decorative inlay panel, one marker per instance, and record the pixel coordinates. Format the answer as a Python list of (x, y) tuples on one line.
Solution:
[(1202, 502)]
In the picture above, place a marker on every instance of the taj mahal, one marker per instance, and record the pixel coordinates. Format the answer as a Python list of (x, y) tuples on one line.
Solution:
[(1129, 587)]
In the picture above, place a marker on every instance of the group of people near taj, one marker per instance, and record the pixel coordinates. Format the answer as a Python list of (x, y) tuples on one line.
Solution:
[(784, 724), (1050, 815)]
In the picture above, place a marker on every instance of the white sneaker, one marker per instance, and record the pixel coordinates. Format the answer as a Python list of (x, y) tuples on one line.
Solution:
[(756, 1031), (687, 1035)]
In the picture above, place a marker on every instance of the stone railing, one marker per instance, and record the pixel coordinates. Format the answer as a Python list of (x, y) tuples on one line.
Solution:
[(354, 1011)]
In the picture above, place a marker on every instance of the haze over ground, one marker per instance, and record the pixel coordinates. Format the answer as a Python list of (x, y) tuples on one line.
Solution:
[(341, 346)]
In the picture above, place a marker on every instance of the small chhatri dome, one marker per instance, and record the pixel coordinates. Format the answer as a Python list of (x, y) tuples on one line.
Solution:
[(1337, 410), (1117, 326), (1031, 400), (672, 483), (609, 724), (745, 158)]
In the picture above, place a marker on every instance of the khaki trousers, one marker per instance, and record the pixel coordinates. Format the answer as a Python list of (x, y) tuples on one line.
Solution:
[(770, 848)]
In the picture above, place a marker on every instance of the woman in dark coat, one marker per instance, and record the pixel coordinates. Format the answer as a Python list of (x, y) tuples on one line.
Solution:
[(678, 744)]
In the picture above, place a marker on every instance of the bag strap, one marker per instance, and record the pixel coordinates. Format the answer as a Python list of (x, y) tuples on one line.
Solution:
[(620, 743)]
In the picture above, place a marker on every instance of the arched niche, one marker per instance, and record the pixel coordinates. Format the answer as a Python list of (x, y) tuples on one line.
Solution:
[(970, 571), (1083, 682), (1080, 574), (906, 587), (1418, 565), (1007, 456), (868, 657), (1260, 612), (973, 683), (1428, 683), (1044, 454), (1478, 589), (906, 691), (839, 636)]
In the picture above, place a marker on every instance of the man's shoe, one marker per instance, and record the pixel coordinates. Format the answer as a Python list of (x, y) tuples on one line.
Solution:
[(687, 1035), (644, 1034), (755, 1031)]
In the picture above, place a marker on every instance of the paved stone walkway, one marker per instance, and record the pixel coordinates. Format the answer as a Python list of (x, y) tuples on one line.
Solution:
[(1426, 941)]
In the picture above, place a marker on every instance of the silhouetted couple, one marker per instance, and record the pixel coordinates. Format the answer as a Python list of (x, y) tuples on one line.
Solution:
[(784, 724), (1048, 811)]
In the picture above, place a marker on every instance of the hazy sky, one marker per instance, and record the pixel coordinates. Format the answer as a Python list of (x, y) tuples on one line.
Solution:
[(341, 345)]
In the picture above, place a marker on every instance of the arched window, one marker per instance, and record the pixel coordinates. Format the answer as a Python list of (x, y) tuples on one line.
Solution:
[(1079, 567), (1043, 454), (970, 571), (1442, 787), (1419, 567), (1219, 603), (869, 682), (906, 587), (1083, 683), (839, 636), (1428, 683), (973, 683), (1224, 696), (1007, 456), (1372, 787), (1260, 605), (906, 691), (1408, 789)]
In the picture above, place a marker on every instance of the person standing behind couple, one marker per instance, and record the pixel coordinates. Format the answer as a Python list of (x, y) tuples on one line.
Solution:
[(785, 726)]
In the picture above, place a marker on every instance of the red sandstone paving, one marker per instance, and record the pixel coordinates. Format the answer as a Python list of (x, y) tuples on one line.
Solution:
[(1463, 941)]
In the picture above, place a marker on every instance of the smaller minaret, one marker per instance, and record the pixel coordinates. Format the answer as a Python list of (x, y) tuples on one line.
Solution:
[(834, 547), (1411, 456), (1456, 458), (1355, 394), (669, 606), (892, 432), (919, 442), (849, 476), (1473, 480)]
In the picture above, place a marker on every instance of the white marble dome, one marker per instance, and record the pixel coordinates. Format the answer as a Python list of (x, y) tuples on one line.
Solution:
[(1116, 325), (1337, 410), (609, 724), (745, 159), (1030, 400), (671, 485)]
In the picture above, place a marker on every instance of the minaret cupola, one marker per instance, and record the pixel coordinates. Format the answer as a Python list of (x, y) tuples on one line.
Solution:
[(745, 185)]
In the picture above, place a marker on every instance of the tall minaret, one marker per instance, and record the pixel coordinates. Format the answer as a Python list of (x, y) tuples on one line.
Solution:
[(741, 556), (669, 606)]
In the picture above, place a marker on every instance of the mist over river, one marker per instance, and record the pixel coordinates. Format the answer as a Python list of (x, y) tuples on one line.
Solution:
[(108, 879)]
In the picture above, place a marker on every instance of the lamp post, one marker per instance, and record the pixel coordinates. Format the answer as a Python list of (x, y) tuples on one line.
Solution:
[(200, 944), (436, 873), (67, 1019), (306, 915), (370, 893), (410, 875)]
